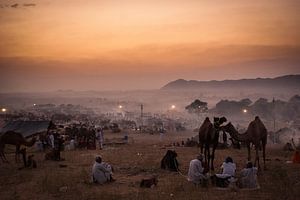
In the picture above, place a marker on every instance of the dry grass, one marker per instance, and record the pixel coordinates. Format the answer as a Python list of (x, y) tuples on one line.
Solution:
[(134, 161)]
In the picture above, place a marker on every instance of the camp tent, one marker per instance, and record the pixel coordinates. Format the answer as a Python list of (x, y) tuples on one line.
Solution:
[(27, 128)]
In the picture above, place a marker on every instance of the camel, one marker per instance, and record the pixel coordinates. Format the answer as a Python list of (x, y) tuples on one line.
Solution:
[(209, 136), (255, 134), (13, 138)]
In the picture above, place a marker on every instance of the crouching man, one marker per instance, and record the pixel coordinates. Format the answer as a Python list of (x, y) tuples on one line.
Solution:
[(197, 171), (249, 177), (102, 172)]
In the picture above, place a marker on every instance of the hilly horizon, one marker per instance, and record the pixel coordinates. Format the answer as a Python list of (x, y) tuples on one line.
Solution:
[(286, 81)]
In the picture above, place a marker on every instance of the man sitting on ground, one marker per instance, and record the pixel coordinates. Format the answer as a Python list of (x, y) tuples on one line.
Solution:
[(169, 161), (101, 171), (228, 172), (248, 176), (196, 171)]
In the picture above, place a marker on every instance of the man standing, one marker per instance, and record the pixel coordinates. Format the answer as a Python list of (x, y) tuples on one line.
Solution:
[(51, 140), (100, 137), (58, 144)]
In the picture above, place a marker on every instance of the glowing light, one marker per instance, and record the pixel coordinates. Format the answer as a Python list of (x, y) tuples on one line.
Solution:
[(173, 106), (34, 104), (3, 109), (120, 106), (245, 110)]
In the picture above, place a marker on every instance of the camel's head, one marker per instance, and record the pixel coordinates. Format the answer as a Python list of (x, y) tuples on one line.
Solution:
[(216, 119), (227, 127), (222, 120)]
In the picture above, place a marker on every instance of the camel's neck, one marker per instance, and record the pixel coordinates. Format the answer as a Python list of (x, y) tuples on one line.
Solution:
[(29, 143), (237, 136)]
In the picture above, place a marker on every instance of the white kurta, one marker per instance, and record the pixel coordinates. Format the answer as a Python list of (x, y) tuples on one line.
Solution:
[(99, 136), (51, 137), (228, 170), (101, 172), (249, 177), (195, 174)]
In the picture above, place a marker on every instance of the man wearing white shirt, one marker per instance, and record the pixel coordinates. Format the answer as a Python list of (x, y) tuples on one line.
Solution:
[(196, 170)]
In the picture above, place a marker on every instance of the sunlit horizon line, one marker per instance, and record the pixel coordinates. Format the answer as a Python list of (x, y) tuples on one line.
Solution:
[(133, 90)]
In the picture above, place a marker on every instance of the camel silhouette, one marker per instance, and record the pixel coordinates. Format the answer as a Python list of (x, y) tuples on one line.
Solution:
[(209, 137), (255, 134), (16, 139)]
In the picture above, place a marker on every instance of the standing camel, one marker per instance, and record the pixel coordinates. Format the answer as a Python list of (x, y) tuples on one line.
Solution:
[(13, 138), (209, 136), (256, 134)]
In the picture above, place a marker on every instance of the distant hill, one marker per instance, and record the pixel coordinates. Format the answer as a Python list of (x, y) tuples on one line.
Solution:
[(289, 81)]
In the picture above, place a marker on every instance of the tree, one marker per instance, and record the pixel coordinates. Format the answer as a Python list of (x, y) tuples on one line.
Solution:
[(197, 107), (226, 107)]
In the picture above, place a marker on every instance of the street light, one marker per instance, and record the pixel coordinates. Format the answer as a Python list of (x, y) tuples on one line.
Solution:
[(120, 106), (3, 109), (245, 110), (173, 107)]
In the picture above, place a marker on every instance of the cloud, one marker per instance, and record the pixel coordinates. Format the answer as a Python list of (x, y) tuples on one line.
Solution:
[(14, 5), (29, 4)]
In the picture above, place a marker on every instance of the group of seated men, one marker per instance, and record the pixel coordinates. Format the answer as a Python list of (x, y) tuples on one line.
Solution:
[(247, 177), (102, 172)]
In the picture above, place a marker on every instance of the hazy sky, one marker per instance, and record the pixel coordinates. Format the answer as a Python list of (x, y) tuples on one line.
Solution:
[(140, 44)]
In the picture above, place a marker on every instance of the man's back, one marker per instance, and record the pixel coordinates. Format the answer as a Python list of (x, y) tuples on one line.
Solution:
[(101, 172), (249, 177), (229, 168), (195, 171)]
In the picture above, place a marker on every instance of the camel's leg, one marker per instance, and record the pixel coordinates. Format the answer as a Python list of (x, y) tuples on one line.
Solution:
[(201, 148), (257, 156), (2, 158), (249, 152), (206, 159), (208, 156), (2, 155), (212, 158), (2, 152), (264, 155), (224, 137), (23, 152), (17, 158)]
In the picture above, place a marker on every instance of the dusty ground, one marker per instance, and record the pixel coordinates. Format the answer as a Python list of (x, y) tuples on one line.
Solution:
[(135, 161)]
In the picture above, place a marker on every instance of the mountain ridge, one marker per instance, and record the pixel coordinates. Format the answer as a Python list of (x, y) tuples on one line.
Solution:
[(289, 81)]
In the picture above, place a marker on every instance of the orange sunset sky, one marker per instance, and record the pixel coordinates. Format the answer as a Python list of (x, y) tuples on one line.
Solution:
[(137, 44)]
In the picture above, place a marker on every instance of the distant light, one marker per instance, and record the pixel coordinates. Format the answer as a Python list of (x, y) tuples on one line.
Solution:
[(120, 106), (34, 104), (3, 109), (245, 110), (173, 106)]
